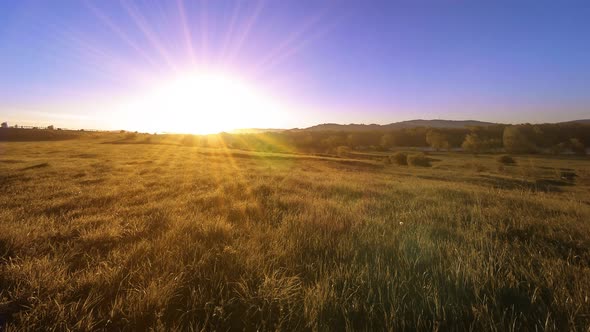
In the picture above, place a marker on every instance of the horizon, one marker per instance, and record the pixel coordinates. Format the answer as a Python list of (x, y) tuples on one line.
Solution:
[(238, 130), (181, 66)]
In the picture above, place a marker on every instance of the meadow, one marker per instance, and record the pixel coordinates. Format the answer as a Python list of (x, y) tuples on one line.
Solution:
[(103, 236)]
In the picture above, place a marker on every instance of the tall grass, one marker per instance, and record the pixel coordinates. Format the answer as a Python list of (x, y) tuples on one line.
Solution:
[(166, 237)]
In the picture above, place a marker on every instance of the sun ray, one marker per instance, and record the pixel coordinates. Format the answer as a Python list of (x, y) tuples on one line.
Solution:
[(106, 64), (230, 29), (188, 39), (204, 24), (243, 36), (111, 25), (140, 22), (291, 38), (284, 52)]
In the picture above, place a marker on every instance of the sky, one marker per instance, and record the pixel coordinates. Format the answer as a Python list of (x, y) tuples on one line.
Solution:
[(205, 65)]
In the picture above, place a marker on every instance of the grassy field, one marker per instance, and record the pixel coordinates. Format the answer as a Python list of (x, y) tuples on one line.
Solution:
[(137, 236)]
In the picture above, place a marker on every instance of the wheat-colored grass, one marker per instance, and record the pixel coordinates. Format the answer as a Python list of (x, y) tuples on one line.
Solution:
[(139, 236)]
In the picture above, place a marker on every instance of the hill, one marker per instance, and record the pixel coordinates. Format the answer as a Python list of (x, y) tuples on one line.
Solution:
[(398, 125), (581, 121)]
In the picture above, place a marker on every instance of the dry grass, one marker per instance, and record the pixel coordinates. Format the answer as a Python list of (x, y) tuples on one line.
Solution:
[(102, 236)]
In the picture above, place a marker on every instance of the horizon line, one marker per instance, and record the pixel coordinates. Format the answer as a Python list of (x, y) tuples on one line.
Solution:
[(233, 131)]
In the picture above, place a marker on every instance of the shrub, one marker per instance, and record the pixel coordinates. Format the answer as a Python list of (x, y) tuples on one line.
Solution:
[(506, 160), (399, 158), (419, 160), (568, 175)]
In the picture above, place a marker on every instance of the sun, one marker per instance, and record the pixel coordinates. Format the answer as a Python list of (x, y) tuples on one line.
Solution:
[(201, 103)]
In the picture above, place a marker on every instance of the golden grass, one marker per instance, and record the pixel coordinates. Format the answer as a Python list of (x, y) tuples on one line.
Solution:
[(137, 236)]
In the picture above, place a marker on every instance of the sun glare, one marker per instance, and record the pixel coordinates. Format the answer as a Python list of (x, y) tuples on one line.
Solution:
[(201, 103)]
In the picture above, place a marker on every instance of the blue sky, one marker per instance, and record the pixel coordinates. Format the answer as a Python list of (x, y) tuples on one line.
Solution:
[(71, 62)]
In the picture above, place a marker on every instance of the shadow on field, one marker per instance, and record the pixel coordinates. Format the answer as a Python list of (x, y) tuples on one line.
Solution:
[(132, 142), (6, 250), (241, 155), (8, 179), (567, 248), (544, 185), (85, 155), (42, 165), (11, 161)]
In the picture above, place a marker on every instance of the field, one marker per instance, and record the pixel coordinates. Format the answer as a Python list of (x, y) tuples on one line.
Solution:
[(97, 236)]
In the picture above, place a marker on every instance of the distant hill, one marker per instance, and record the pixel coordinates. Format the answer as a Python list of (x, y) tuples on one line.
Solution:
[(582, 121), (400, 125), (436, 123)]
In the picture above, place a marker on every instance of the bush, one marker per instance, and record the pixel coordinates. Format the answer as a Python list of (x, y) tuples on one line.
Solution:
[(399, 158), (419, 160), (506, 160)]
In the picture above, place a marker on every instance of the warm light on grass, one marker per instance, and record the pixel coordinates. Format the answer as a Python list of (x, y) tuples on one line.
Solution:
[(123, 231)]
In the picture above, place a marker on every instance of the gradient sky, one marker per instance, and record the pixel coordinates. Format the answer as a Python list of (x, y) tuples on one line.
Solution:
[(71, 62)]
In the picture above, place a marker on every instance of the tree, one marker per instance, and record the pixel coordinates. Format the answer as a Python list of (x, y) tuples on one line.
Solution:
[(437, 140), (577, 146), (387, 141), (515, 141), (332, 142), (473, 143), (353, 140), (557, 148)]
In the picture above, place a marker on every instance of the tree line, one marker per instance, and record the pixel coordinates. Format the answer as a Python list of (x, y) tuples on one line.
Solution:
[(525, 138)]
